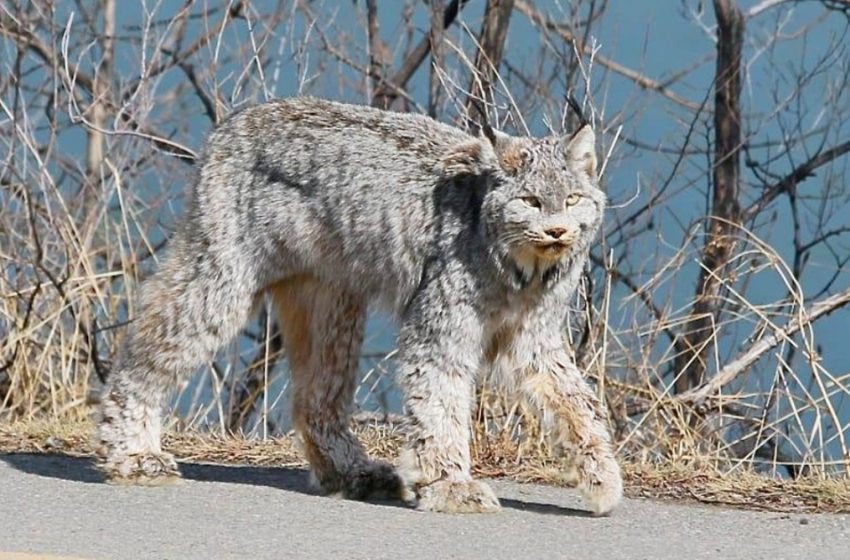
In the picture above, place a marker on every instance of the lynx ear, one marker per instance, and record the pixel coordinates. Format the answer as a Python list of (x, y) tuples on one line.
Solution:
[(510, 151), (580, 150), (467, 158)]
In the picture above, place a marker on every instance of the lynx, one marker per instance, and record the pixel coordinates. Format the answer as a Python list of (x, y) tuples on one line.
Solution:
[(475, 244)]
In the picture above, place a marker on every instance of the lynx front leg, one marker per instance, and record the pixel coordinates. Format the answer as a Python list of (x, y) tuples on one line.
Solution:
[(436, 463), (436, 374), (575, 418)]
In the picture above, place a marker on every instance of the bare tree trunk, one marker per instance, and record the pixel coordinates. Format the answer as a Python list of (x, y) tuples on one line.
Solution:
[(725, 209), (491, 43), (434, 86), (101, 85), (374, 42)]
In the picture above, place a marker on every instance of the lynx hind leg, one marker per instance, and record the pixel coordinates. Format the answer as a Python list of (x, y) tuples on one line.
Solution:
[(187, 310), (575, 417), (129, 430), (323, 331)]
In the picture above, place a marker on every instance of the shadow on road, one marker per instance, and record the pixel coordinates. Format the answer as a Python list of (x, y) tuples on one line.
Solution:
[(82, 469), (545, 509), (77, 469)]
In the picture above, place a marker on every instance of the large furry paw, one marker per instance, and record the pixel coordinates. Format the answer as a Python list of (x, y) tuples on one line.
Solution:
[(459, 496), (142, 469), (601, 483), (369, 480)]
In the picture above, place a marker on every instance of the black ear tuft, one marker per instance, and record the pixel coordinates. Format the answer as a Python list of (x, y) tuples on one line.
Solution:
[(574, 105), (489, 133), (482, 123)]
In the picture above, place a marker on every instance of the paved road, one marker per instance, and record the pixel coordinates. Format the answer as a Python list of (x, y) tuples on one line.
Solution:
[(57, 506)]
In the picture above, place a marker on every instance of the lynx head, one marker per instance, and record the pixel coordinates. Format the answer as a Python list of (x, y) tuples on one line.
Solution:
[(544, 205)]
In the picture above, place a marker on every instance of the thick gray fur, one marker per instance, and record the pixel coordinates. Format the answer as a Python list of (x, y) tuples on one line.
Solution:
[(475, 244)]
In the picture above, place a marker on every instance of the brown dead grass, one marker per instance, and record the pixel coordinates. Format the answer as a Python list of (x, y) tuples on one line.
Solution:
[(494, 458)]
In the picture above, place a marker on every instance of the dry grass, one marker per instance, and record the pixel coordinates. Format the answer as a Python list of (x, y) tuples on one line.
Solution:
[(495, 457)]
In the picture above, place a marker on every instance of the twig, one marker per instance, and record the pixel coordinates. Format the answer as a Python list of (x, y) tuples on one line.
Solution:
[(390, 87)]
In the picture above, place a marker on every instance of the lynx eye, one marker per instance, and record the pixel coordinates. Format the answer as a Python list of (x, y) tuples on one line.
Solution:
[(532, 201), (572, 199)]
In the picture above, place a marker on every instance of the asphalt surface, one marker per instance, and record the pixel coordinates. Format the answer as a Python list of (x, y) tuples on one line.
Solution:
[(58, 507)]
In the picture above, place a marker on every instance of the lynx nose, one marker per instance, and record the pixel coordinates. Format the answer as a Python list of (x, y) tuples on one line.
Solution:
[(555, 233)]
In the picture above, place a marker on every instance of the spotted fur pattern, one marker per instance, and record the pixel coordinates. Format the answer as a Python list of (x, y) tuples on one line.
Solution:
[(475, 244)]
